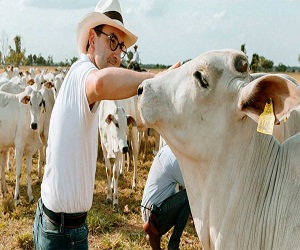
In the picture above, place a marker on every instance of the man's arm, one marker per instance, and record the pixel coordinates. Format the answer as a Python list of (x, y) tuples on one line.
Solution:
[(113, 83)]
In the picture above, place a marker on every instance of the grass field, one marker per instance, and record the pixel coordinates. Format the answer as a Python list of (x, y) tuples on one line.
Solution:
[(107, 230)]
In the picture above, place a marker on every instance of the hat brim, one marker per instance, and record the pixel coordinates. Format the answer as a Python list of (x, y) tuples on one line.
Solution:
[(94, 19)]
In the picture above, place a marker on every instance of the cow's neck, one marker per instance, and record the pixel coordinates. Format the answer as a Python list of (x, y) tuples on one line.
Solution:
[(234, 182)]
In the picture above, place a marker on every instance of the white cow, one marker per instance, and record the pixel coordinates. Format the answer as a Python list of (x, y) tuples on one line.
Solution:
[(49, 97), (243, 186), (10, 72), (19, 119), (13, 86), (17, 85), (112, 127), (133, 135), (58, 81)]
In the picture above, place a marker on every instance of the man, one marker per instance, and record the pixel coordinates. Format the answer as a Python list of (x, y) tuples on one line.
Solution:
[(135, 61), (171, 208), (68, 183)]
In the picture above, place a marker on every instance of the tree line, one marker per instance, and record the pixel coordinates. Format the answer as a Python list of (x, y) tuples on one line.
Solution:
[(16, 56)]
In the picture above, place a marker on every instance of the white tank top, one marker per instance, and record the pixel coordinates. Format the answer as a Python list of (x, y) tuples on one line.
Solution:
[(71, 155)]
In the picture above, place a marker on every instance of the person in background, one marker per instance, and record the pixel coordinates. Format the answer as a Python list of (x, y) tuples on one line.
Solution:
[(161, 197), (71, 155), (135, 61)]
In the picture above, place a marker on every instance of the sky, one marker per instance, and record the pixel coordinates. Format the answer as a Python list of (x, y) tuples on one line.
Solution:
[(169, 30)]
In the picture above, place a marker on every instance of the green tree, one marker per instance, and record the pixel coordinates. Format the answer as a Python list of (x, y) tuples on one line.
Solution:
[(265, 64), (243, 48), (299, 58), (16, 56), (29, 60), (34, 58), (281, 68), (40, 60), (50, 61), (254, 62), (74, 59)]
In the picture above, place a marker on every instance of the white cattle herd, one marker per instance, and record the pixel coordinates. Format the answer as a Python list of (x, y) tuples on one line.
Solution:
[(26, 102), (243, 185)]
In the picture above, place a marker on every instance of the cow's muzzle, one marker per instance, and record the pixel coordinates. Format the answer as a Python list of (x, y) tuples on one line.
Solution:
[(34, 126)]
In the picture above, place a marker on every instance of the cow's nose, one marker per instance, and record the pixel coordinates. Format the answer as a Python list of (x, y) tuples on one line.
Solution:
[(125, 150), (140, 90), (34, 126)]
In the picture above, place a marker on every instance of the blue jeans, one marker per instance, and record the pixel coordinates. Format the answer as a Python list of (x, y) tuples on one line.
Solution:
[(175, 212), (47, 235)]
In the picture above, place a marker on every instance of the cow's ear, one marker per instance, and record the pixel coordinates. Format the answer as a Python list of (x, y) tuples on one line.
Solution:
[(130, 120), (48, 84), (25, 100), (109, 119), (30, 82), (285, 95)]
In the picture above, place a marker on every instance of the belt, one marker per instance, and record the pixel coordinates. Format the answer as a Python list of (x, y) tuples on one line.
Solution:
[(68, 220)]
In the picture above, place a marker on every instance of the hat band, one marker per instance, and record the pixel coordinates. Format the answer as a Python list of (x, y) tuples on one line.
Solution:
[(114, 15)]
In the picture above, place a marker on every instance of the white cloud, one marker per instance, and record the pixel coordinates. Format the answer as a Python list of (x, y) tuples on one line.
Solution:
[(220, 15), (59, 4)]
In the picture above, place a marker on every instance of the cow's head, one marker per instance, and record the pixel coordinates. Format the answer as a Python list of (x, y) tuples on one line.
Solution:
[(208, 98), (116, 128), (34, 100)]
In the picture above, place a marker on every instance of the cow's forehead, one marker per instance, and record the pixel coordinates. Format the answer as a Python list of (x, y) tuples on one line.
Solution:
[(232, 60), (36, 96)]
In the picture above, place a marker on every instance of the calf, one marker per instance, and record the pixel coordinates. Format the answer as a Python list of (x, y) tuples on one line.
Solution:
[(134, 135), (112, 127)]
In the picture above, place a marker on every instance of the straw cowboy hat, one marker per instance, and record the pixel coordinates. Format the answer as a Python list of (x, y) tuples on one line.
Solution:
[(107, 12)]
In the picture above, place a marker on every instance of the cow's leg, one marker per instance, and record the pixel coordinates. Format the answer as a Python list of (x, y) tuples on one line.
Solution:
[(122, 164), (29, 181), (8, 159), (116, 172), (108, 175), (41, 162), (127, 155), (3, 157), (143, 136), (19, 155), (135, 151)]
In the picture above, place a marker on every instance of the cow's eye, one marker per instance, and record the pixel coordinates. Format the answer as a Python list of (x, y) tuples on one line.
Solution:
[(200, 78), (117, 125)]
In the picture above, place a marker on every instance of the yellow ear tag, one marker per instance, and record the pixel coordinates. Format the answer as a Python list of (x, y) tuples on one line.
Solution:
[(266, 119)]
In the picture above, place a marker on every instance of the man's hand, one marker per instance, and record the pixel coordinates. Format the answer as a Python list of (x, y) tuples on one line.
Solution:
[(174, 66)]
